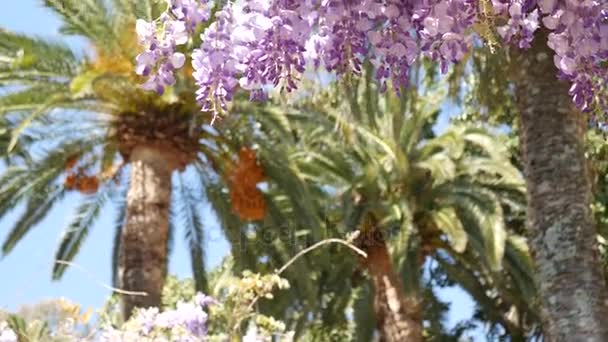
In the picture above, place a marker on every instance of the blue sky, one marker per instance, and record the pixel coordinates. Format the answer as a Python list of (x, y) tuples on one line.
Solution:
[(26, 270)]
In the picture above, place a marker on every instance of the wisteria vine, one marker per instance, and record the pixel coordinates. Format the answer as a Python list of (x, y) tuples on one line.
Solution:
[(267, 43)]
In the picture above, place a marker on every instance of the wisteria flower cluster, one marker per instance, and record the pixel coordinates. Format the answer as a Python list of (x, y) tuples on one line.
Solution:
[(579, 37), (187, 322), (161, 58), (217, 63), (186, 317), (257, 44)]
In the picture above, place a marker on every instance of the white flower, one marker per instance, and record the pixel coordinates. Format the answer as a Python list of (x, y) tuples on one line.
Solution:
[(6, 333)]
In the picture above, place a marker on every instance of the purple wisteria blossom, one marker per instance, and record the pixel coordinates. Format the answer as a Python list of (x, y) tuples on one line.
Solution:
[(275, 35), (579, 37), (203, 300), (521, 25), (146, 319), (190, 12), (394, 43), (444, 26), (580, 42), (186, 323), (160, 59), (256, 44), (345, 25), (217, 63)]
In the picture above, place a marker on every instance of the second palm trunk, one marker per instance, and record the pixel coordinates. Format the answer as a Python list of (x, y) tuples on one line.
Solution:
[(398, 316)]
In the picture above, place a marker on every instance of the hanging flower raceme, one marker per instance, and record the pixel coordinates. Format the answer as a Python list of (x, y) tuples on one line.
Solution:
[(190, 12), (217, 63), (523, 22), (580, 42), (267, 43), (579, 38), (275, 35), (443, 28), (160, 59), (345, 24), (394, 43)]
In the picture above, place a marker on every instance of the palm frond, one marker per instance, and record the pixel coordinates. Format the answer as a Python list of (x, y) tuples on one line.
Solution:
[(473, 284), (24, 59), (286, 175), (77, 230), (119, 223), (365, 324), (450, 142), (143, 9), (30, 98), (448, 222), (33, 115), (519, 264), (485, 141), (486, 230), (36, 209), (87, 18), (20, 181), (194, 233)]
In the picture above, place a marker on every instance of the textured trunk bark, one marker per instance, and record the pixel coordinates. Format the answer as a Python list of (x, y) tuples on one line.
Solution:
[(398, 316), (143, 255), (561, 227)]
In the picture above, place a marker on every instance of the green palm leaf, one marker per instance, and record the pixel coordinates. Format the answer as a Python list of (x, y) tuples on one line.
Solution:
[(36, 209), (24, 59), (447, 220), (118, 225), (194, 235), (88, 18), (77, 230)]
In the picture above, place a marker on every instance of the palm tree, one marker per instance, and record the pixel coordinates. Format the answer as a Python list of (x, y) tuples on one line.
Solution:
[(71, 123), (444, 197), (571, 282), (521, 87)]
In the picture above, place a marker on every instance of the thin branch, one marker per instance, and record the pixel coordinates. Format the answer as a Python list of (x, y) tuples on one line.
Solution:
[(92, 277), (319, 244)]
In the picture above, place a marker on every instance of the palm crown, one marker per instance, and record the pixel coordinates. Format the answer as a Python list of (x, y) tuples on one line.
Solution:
[(454, 197)]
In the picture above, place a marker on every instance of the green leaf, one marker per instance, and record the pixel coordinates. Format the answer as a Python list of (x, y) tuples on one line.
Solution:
[(15, 133), (448, 222), (89, 18), (38, 206), (495, 236), (75, 233), (194, 234), (82, 84), (118, 226), (24, 58), (19, 326), (487, 142), (441, 166)]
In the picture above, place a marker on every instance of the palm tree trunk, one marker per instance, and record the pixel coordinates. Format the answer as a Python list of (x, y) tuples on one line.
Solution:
[(561, 228), (143, 254), (398, 317)]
